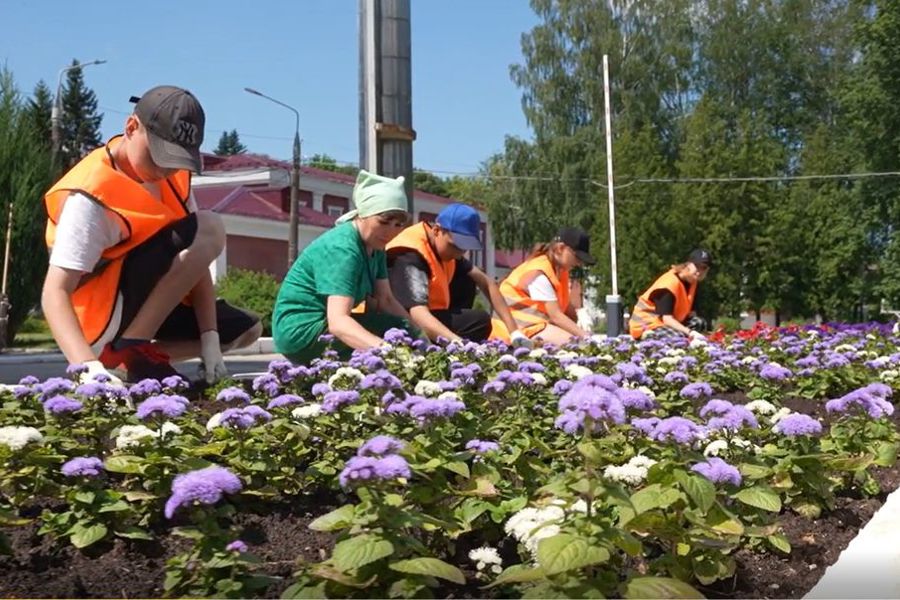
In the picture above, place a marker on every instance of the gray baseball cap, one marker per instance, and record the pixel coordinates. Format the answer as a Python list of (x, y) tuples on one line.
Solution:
[(175, 121)]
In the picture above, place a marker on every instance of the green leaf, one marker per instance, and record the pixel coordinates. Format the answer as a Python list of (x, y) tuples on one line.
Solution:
[(851, 463), (133, 533), (591, 451), (518, 574), (750, 471), (458, 467), (566, 552), (340, 518), (82, 536), (760, 497), (699, 489), (134, 496), (124, 463), (429, 566), (646, 499), (360, 550), (887, 454), (658, 587), (326, 571), (117, 506), (780, 542), (85, 496)]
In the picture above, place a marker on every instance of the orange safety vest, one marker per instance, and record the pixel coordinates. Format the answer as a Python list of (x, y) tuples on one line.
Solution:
[(415, 238), (530, 315), (644, 317), (142, 216)]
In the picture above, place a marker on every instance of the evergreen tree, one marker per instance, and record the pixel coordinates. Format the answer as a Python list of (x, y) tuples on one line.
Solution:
[(39, 110), (79, 121), (230, 144)]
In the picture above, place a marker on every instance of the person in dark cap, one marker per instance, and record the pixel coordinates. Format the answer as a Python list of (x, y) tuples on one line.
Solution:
[(665, 309), (539, 293), (432, 278), (128, 287)]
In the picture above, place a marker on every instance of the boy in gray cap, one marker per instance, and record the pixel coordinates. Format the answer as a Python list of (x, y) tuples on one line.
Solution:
[(128, 286)]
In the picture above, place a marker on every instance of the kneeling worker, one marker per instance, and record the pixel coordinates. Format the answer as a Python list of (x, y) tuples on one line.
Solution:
[(433, 280)]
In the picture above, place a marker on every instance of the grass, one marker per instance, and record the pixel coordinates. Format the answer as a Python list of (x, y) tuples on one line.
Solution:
[(34, 334)]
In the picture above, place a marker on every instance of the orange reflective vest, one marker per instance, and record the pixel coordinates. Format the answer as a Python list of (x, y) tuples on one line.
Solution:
[(141, 215), (644, 317), (415, 238), (530, 315)]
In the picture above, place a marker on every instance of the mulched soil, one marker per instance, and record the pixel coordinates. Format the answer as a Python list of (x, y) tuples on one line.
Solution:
[(280, 537)]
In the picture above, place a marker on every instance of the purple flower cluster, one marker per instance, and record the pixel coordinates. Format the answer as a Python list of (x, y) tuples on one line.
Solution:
[(174, 383), (797, 424), (268, 384), (145, 387), (237, 546), (774, 372), (562, 386), (380, 445), (591, 397), (718, 471), (162, 406), (204, 486), (699, 389), (54, 386), (320, 389), (635, 399), (676, 377), (233, 394), (244, 417), (82, 466), (62, 405), (380, 380), (872, 399), (396, 336), (631, 372), (482, 446), (677, 429), (335, 400), (424, 409), (375, 461), (284, 400), (728, 415)]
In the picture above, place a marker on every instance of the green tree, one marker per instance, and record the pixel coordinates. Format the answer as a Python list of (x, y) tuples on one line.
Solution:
[(79, 121), (39, 109), (327, 163), (25, 174), (230, 144), (429, 182)]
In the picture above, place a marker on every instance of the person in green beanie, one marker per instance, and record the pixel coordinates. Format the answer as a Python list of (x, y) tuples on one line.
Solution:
[(341, 268)]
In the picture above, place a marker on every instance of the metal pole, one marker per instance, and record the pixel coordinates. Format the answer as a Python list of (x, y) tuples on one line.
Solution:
[(614, 309), (368, 86), (4, 299), (56, 109), (293, 214)]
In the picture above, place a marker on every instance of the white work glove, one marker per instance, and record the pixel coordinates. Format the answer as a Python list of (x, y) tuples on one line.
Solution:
[(212, 363), (520, 340), (95, 368), (696, 336), (598, 338)]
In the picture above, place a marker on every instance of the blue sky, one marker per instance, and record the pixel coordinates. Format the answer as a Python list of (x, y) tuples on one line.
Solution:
[(303, 52)]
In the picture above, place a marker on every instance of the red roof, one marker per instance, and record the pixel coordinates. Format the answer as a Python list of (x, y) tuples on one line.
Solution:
[(261, 203)]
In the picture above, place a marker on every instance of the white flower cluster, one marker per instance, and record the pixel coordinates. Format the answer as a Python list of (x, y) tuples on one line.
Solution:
[(485, 557), (531, 525), (537, 353), (889, 375), (716, 447), (307, 411), (131, 435), (539, 379), (448, 395), (633, 472), (427, 388), (345, 373), (566, 355), (667, 361), (577, 372), (761, 407), (17, 437), (782, 413)]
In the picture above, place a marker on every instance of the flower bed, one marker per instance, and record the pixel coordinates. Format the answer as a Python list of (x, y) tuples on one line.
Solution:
[(739, 468)]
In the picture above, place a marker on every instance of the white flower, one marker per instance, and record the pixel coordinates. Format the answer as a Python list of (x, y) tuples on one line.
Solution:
[(538, 378), (633, 472), (846, 348), (307, 411), (577, 372), (606, 357), (543, 532), (748, 360), (566, 355), (714, 448), (214, 421), (345, 372), (537, 353), (675, 352), (761, 407), (131, 435), (169, 428), (426, 388), (669, 361), (889, 375), (17, 437), (484, 556), (782, 413), (448, 395), (647, 392), (641, 461)]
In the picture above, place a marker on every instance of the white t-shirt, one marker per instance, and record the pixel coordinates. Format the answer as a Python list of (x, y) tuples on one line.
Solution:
[(541, 290), (83, 232)]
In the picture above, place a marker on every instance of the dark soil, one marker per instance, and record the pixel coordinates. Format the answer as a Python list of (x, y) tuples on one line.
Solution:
[(280, 537)]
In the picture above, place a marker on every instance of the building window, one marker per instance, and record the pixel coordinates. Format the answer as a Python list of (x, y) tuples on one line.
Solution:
[(335, 211)]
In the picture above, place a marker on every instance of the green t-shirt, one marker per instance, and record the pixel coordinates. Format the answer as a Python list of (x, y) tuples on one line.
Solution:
[(335, 264)]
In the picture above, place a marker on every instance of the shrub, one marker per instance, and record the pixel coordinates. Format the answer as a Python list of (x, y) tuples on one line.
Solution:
[(251, 290)]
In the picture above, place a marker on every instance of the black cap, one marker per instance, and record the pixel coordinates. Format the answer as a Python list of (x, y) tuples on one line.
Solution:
[(175, 121), (579, 241), (701, 258)]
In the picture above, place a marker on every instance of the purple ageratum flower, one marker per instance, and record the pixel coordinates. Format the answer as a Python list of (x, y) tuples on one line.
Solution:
[(493, 387), (678, 429), (203, 486), (836, 361), (463, 375), (335, 400), (699, 389), (233, 394), (734, 419), (626, 371), (508, 361), (774, 372), (175, 383), (61, 405), (716, 407), (268, 384), (562, 386), (429, 409), (482, 446), (145, 387), (687, 362), (237, 546), (645, 425), (92, 389), (635, 399), (380, 380), (676, 377), (54, 386), (390, 397), (244, 417), (76, 370), (82, 466), (284, 400), (381, 445), (797, 424), (29, 380), (326, 338), (362, 469), (392, 466), (281, 369), (396, 336), (162, 406), (320, 389), (520, 352), (872, 399), (599, 382), (718, 471), (598, 403)]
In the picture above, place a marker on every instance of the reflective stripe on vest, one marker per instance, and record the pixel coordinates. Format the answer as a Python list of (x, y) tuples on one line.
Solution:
[(526, 311), (415, 238), (644, 317), (141, 215)]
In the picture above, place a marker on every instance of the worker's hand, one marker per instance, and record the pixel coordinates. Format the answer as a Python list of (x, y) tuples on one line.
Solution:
[(96, 372), (212, 363), (520, 340), (696, 336)]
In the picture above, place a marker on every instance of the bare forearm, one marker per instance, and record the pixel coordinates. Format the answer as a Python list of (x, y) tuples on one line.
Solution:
[(560, 319), (60, 315), (498, 303), (675, 324), (348, 330), (423, 319)]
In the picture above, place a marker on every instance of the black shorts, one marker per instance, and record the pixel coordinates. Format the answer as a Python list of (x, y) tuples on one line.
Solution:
[(146, 264)]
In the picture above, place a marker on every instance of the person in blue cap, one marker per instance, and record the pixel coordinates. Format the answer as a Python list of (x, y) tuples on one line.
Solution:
[(433, 280)]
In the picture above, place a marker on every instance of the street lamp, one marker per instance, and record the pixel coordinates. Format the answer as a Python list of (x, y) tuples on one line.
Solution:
[(295, 178), (56, 111)]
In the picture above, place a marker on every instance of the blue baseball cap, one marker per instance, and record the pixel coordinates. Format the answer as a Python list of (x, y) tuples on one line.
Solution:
[(464, 225)]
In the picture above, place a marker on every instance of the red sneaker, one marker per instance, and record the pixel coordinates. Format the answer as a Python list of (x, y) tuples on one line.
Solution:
[(141, 361)]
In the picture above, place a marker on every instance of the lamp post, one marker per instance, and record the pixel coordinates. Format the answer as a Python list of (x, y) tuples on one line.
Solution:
[(295, 178), (56, 110)]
